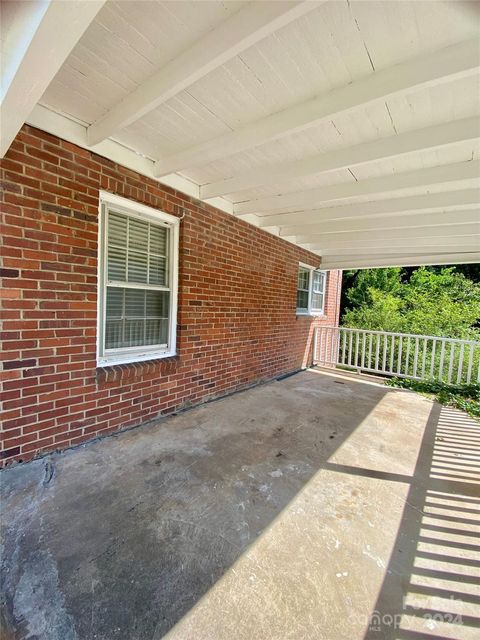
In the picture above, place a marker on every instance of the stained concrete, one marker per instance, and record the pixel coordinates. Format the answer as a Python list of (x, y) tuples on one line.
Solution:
[(316, 507)]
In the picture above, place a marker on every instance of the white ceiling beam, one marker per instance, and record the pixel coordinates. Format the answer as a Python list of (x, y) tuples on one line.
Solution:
[(249, 25), (53, 32), (445, 65), (445, 200), (427, 245), (309, 198), (324, 240), (346, 158), (68, 129), (385, 255), (468, 216), (403, 261)]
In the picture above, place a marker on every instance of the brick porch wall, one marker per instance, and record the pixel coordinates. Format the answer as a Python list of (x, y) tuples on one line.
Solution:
[(236, 321)]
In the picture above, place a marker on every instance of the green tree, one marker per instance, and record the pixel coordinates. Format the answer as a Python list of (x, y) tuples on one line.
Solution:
[(438, 302), (381, 312), (441, 304), (387, 280)]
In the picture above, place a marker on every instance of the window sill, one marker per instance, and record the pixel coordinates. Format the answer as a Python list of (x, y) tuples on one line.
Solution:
[(111, 361), (157, 365), (310, 314)]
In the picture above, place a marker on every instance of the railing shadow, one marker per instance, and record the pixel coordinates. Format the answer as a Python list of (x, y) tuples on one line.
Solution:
[(430, 588)]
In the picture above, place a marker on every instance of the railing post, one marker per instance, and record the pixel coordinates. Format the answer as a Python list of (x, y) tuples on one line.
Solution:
[(315, 344)]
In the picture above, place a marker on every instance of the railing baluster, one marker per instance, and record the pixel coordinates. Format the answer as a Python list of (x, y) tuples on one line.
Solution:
[(392, 355), (407, 357), (385, 342), (357, 340), (344, 344), (470, 363), (333, 351), (460, 363), (350, 348), (364, 342), (432, 364), (450, 364), (415, 357), (399, 361), (369, 361), (424, 356), (442, 358), (377, 351)]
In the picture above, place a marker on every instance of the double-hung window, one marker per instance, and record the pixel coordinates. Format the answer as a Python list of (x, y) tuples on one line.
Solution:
[(311, 286), (137, 295)]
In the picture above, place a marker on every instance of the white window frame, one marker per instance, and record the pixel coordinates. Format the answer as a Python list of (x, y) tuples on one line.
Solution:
[(310, 311), (132, 209)]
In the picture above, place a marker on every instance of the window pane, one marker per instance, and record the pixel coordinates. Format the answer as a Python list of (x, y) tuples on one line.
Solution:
[(117, 242), (117, 264), (136, 317), (158, 271), (130, 242), (156, 331), (317, 301), (158, 240), (134, 333), (117, 229), (303, 275), (302, 299), (157, 304), (137, 267), (318, 281), (138, 235), (115, 302), (134, 303), (113, 334)]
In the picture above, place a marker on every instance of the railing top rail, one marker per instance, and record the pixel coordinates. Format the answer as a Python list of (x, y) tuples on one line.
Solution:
[(404, 335)]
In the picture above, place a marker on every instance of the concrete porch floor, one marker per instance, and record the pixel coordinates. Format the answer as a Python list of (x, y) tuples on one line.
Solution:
[(315, 507)]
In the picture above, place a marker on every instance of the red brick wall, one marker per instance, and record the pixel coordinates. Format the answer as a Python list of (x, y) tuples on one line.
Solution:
[(236, 320)]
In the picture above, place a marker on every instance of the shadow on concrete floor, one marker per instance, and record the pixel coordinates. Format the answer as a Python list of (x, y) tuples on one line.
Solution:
[(436, 553), (279, 512)]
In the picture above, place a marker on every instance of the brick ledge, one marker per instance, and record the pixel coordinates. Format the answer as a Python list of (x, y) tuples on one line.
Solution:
[(114, 373)]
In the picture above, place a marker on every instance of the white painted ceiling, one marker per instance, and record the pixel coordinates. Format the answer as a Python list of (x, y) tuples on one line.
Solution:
[(331, 46)]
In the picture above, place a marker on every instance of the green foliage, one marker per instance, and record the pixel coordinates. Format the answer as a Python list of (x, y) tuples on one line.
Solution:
[(464, 396), (386, 280), (381, 312), (437, 302)]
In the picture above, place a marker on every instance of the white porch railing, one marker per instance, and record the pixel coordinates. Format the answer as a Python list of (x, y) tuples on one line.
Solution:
[(398, 354)]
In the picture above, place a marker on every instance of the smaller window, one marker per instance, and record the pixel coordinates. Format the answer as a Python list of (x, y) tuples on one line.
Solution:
[(311, 290)]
